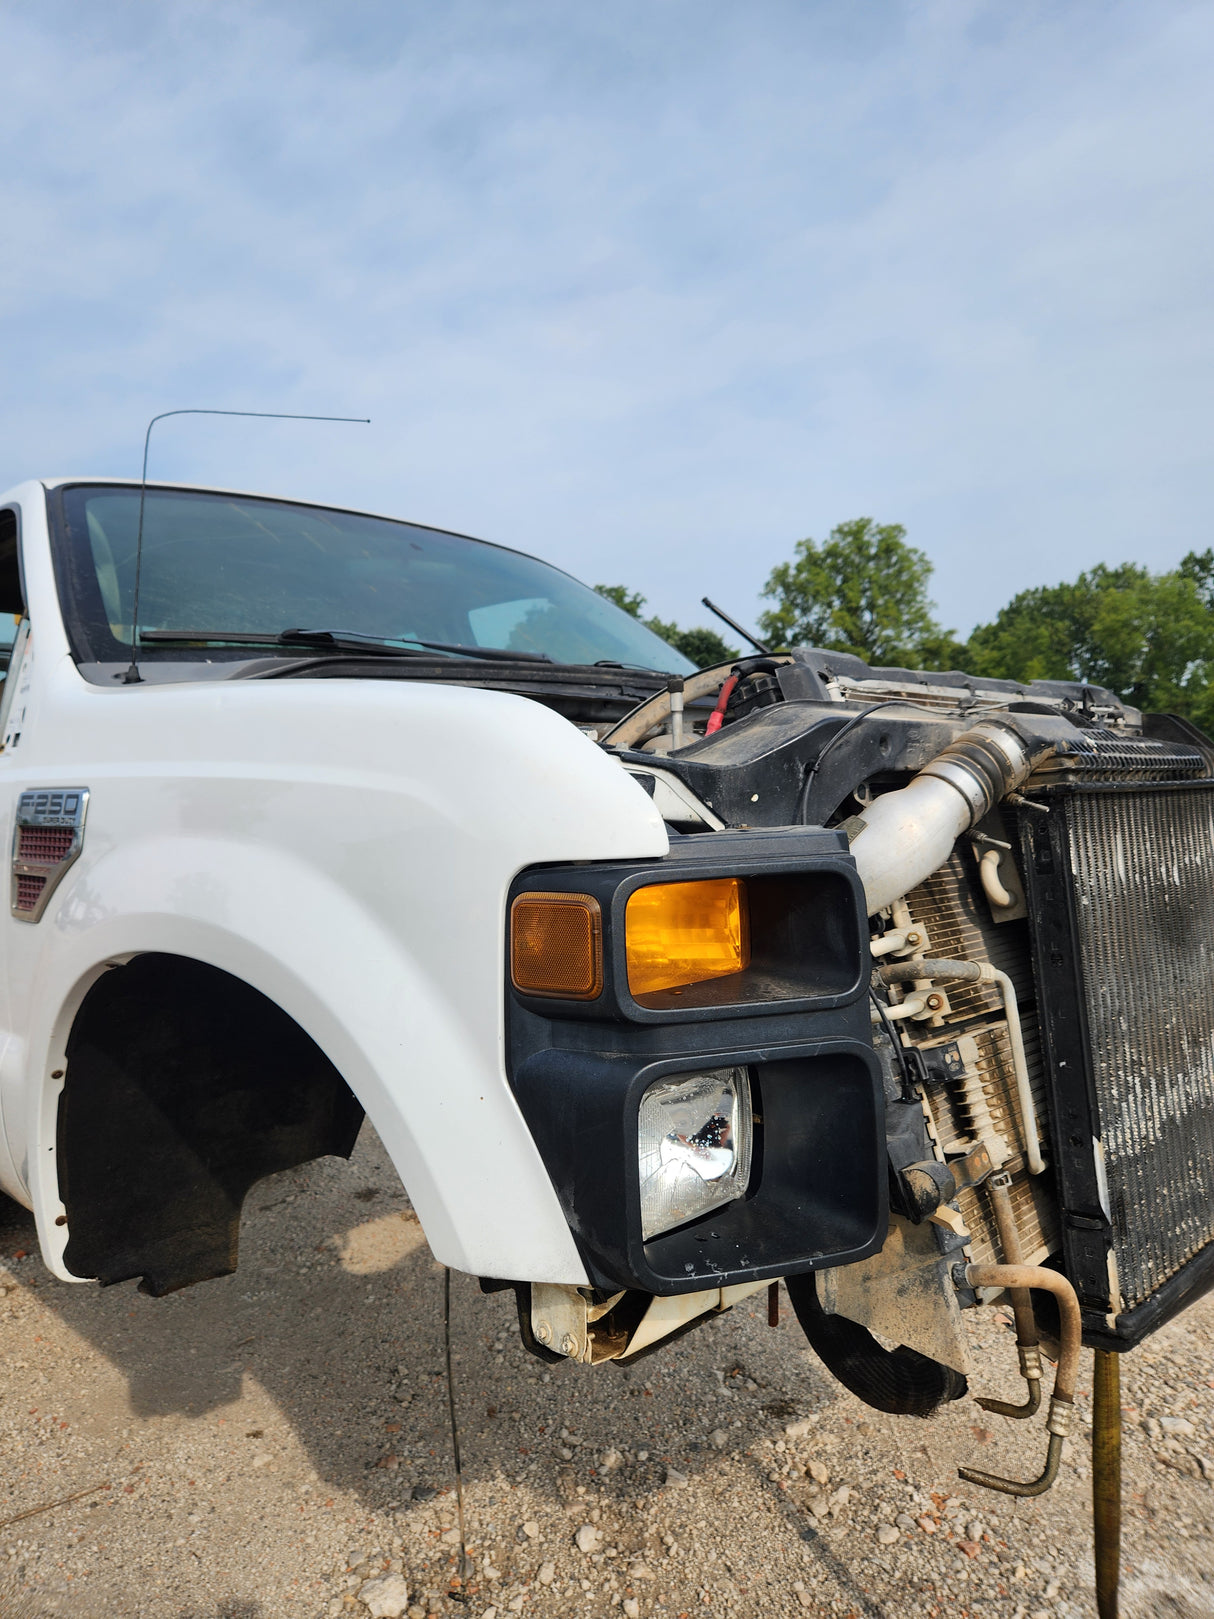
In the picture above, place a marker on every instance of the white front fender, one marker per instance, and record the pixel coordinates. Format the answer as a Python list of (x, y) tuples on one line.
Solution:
[(370, 906)]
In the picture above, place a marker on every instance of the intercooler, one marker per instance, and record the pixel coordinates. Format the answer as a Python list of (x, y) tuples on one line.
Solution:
[(1120, 885)]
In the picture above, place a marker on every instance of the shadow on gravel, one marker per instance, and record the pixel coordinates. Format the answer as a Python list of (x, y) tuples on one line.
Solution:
[(828, 1560), (225, 1610), (17, 1604), (336, 1312)]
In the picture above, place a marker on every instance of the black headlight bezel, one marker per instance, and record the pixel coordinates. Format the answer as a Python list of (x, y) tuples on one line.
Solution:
[(817, 1194), (818, 1190), (808, 940)]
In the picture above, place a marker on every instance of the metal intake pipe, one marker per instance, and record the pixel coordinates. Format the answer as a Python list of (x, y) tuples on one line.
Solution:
[(910, 833)]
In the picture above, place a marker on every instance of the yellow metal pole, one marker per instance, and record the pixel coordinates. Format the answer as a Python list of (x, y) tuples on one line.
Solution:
[(1106, 1481)]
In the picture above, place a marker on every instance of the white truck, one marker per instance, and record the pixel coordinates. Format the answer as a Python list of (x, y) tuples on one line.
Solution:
[(658, 984)]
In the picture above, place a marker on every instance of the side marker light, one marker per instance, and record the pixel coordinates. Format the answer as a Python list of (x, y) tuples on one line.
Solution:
[(556, 945)]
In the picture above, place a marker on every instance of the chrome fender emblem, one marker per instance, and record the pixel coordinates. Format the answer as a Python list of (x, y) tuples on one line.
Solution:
[(47, 838)]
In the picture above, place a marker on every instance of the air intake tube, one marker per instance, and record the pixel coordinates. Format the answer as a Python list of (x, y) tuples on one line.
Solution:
[(910, 833)]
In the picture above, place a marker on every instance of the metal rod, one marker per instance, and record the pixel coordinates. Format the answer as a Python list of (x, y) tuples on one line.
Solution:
[(132, 676), (675, 687), (464, 1559), (1106, 1481), (734, 625)]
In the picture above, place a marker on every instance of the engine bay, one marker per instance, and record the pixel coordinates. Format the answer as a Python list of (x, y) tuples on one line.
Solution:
[(1035, 861)]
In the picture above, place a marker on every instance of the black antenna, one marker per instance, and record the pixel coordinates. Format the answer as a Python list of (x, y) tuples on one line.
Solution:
[(132, 676), (734, 625)]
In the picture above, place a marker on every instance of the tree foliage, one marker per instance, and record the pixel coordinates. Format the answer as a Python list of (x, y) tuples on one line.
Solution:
[(863, 590), (703, 646), (630, 600), (1147, 636)]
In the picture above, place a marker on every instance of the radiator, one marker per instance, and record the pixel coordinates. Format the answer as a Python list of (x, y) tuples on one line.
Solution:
[(1120, 880)]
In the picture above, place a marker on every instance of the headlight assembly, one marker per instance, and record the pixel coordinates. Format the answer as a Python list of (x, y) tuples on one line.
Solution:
[(694, 1146), (688, 1040), (684, 933)]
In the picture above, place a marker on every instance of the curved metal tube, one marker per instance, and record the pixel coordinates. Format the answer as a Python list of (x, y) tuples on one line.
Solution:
[(976, 972), (1024, 1090), (1062, 1401), (909, 833), (998, 1189), (988, 871)]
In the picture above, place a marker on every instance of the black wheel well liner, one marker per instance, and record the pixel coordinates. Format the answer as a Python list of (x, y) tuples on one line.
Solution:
[(183, 1086)]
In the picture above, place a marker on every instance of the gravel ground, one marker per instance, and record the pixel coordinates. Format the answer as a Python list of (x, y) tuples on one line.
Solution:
[(275, 1445)]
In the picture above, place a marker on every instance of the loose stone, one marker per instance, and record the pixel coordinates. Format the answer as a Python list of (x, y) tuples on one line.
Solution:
[(387, 1598)]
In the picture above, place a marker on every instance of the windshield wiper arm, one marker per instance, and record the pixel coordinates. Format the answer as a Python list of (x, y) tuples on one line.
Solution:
[(326, 640), (318, 641), (355, 638)]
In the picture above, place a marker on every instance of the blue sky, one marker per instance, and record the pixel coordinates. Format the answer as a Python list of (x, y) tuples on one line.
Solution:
[(651, 289)]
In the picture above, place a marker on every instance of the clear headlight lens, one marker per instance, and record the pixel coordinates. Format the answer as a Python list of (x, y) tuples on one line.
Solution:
[(693, 1142)]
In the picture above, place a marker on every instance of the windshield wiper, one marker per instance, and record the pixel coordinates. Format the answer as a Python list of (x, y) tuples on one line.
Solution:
[(320, 641), (328, 641)]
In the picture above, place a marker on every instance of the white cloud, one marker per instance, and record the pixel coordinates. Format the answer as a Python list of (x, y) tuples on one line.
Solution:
[(651, 289)]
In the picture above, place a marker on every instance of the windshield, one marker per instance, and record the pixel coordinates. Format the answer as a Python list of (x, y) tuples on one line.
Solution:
[(214, 562)]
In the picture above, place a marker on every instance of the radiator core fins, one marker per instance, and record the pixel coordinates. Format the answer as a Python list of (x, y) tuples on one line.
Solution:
[(1122, 899)]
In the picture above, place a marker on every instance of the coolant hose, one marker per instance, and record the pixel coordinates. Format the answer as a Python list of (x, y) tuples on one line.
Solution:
[(908, 834), (900, 1381)]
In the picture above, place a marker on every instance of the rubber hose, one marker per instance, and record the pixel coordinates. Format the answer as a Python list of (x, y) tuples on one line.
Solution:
[(899, 1381)]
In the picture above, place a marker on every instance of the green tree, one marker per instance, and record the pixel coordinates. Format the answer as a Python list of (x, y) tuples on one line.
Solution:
[(630, 600), (1147, 636), (703, 646), (863, 590), (1199, 567)]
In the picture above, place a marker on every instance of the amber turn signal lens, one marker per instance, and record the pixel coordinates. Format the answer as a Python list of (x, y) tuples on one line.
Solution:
[(556, 945), (683, 933)]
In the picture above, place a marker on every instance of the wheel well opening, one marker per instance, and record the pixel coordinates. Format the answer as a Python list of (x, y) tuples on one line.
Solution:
[(183, 1087)]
